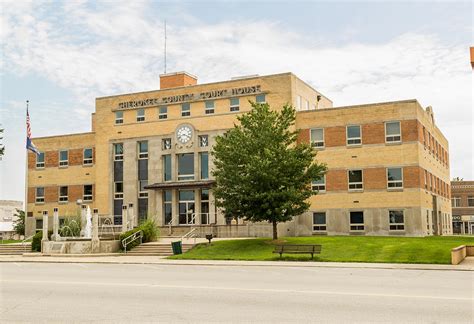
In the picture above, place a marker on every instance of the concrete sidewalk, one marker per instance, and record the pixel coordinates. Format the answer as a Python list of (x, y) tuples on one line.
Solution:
[(467, 265)]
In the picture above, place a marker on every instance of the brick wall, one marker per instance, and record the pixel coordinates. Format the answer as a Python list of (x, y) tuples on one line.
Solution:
[(335, 136), (336, 180), (373, 133), (303, 136), (375, 178)]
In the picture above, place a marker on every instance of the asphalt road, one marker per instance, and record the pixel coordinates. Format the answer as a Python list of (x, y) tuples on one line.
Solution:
[(47, 292)]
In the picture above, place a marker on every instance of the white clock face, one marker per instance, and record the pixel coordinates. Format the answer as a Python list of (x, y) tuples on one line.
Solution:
[(183, 134)]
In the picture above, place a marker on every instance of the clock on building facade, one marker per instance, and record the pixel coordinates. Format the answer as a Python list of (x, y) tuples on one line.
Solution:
[(184, 134)]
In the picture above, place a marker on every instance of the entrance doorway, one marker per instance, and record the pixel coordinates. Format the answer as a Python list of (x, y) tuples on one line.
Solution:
[(186, 207)]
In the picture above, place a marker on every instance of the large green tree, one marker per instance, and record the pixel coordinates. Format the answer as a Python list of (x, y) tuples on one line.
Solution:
[(19, 223), (262, 173)]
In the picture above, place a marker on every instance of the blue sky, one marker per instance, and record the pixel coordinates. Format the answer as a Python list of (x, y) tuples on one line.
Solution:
[(61, 55)]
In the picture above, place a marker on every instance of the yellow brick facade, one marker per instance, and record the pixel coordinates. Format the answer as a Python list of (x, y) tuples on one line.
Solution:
[(314, 110)]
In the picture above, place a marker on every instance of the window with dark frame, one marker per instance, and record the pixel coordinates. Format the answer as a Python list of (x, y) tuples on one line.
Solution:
[(396, 220), (357, 221), (353, 134), (319, 222), (355, 180)]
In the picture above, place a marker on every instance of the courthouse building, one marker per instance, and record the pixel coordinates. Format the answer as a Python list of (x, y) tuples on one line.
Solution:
[(388, 163)]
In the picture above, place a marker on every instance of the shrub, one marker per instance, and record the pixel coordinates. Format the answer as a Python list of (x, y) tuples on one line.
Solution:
[(36, 241), (71, 226), (127, 234), (150, 233)]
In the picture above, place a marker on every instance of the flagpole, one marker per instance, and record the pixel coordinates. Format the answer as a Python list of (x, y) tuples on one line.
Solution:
[(26, 167)]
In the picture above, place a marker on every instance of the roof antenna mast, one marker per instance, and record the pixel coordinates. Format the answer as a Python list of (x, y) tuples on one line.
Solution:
[(165, 46)]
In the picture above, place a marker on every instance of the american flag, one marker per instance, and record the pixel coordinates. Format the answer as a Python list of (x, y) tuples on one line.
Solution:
[(29, 144)]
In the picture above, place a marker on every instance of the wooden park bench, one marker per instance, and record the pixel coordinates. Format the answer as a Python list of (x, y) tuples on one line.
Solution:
[(298, 249)]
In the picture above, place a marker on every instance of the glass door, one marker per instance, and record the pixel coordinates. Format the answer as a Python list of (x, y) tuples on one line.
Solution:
[(186, 207)]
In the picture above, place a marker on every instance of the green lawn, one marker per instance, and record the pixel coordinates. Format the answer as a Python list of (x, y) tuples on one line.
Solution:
[(10, 241), (433, 249)]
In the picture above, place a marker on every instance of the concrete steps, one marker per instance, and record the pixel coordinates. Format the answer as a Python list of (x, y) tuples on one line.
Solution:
[(156, 249), (15, 249)]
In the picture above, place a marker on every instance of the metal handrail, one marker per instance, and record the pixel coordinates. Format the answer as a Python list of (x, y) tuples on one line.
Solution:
[(24, 241), (131, 238), (188, 234)]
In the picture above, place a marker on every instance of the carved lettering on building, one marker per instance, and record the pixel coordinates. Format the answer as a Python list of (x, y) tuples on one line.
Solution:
[(212, 94)]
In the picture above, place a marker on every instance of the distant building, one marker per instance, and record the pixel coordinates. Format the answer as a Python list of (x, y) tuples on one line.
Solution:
[(462, 200), (472, 57), (7, 217), (388, 162)]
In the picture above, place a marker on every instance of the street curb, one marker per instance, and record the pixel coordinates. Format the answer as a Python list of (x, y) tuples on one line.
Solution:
[(326, 265)]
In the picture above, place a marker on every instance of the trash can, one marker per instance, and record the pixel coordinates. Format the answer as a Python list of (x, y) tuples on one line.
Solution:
[(177, 247)]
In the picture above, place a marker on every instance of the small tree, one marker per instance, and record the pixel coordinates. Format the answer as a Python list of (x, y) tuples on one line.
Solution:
[(262, 173), (19, 223)]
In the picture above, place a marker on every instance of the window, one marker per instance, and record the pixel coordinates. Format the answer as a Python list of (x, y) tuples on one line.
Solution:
[(298, 102), (392, 132), (396, 220), (39, 195), (394, 178), (319, 185), (355, 180), (203, 140), (166, 143), (140, 115), (118, 152), (87, 156), (209, 107), (353, 135), (118, 190), (143, 150), (205, 219), (167, 167), (163, 112), (167, 206), (63, 194), (317, 137), (260, 98), (204, 163), (186, 166), (186, 109), (234, 104), (306, 104), (87, 196), (40, 160), (119, 117), (470, 201), (142, 192), (319, 222), (63, 158), (357, 221)]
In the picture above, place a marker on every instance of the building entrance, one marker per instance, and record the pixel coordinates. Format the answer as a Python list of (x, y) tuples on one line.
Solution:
[(186, 207)]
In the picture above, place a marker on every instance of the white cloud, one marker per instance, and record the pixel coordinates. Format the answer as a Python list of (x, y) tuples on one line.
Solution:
[(96, 50)]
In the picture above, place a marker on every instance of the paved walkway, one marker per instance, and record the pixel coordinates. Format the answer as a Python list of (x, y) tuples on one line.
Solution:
[(467, 265)]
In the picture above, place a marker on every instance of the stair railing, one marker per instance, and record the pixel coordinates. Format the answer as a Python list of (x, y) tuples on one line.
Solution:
[(132, 238), (23, 243), (190, 234)]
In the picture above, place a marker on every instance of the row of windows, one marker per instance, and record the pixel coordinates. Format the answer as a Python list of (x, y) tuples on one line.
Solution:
[(87, 158), (436, 185), (393, 134), (435, 148), (304, 104), (142, 147), (396, 221), (456, 201), (209, 109), (356, 180), (63, 194)]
